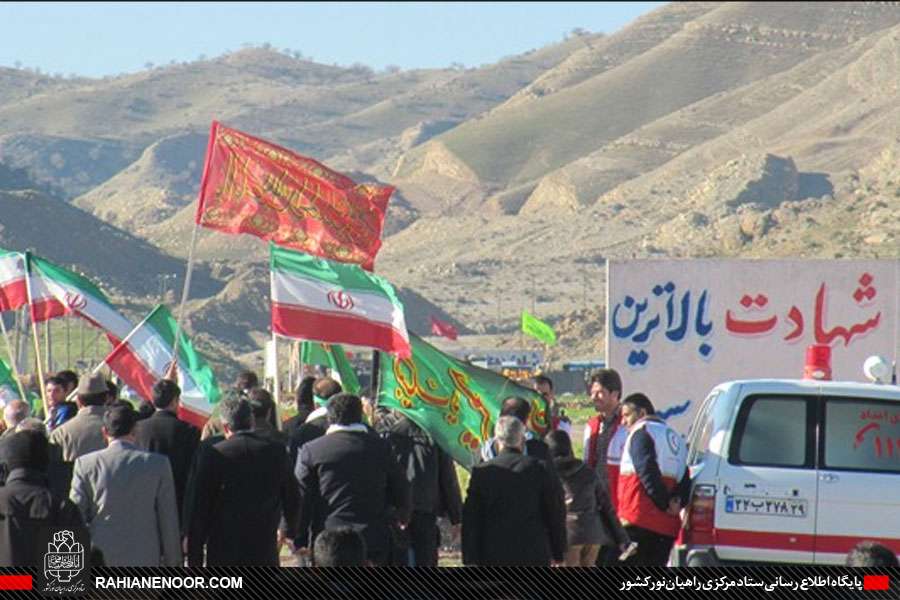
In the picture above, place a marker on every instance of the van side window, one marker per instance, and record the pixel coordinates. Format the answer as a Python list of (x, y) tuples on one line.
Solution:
[(698, 441), (862, 435), (774, 432)]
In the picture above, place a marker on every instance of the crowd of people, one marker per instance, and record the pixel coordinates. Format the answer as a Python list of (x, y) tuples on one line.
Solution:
[(341, 483)]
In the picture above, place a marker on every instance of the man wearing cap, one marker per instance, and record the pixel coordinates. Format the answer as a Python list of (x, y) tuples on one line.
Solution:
[(127, 498), (84, 432), (29, 511)]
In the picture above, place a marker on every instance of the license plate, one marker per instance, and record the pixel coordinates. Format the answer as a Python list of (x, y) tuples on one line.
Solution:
[(768, 506)]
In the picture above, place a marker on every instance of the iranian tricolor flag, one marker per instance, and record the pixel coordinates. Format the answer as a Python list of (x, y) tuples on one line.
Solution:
[(53, 291), (146, 353), (13, 290), (324, 301)]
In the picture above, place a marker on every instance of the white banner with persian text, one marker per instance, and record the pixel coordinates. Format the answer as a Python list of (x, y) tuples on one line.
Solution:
[(676, 328)]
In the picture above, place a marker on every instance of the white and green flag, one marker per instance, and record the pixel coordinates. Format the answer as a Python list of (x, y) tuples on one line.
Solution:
[(146, 353)]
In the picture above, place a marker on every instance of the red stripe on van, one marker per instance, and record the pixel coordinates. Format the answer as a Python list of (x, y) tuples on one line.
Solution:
[(769, 540)]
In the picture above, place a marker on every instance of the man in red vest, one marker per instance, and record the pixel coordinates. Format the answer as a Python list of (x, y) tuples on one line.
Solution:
[(604, 440), (653, 482)]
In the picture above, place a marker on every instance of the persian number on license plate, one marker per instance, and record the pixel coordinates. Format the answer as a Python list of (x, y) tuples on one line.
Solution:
[(760, 505)]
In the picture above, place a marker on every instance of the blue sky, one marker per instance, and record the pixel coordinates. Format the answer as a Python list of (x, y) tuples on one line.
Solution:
[(108, 38)]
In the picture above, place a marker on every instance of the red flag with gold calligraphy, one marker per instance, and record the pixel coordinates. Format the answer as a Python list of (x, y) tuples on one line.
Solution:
[(252, 186)]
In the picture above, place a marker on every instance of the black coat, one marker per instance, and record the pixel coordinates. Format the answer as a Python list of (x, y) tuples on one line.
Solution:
[(514, 514), (238, 492), (29, 515), (429, 470), (590, 516), (267, 431), (165, 433), (305, 432), (352, 479)]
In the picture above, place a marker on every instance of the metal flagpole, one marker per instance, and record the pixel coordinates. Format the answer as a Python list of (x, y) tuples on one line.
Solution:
[(276, 384), (37, 346), (187, 285), (13, 359)]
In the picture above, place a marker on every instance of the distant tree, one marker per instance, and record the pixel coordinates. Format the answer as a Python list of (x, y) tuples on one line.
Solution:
[(266, 46), (297, 54), (393, 69), (362, 69), (201, 57), (17, 64), (579, 32), (457, 66), (148, 65)]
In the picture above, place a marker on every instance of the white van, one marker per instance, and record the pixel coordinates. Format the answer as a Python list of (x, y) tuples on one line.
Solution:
[(792, 471)]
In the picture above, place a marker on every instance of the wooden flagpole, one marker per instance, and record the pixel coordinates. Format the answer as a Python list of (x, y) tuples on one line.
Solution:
[(48, 356), (34, 331), (13, 359)]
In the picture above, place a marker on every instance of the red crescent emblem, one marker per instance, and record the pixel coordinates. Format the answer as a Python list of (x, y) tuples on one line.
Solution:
[(341, 299)]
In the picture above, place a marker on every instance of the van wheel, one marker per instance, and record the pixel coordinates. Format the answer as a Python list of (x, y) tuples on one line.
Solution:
[(701, 559)]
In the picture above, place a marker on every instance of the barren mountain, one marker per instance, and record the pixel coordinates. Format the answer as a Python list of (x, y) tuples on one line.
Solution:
[(701, 129)]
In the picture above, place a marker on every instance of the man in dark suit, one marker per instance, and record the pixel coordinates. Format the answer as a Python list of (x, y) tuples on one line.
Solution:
[(264, 420), (514, 514), (304, 402), (350, 476), (166, 434), (241, 488), (432, 479)]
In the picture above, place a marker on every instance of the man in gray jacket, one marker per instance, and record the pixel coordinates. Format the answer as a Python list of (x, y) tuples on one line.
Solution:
[(83, 433), (127, 498)]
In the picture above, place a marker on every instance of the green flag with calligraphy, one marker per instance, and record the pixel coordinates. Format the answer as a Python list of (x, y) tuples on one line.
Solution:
[(455, 402), (9, 390), (537, 328)]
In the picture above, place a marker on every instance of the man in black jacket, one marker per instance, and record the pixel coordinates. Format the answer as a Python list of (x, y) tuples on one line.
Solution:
[(29, 512), (350, 476), (165, 433), (316, 422), (264, 418), (514, 514), (432, 478), (303, 400), (241, 488)]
